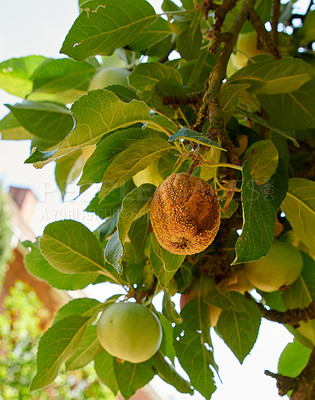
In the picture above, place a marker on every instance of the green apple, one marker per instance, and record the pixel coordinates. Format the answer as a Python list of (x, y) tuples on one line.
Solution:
[(279, 268), (129, 331), (246, 47), (109, 76), (148, 175), (201, 287)]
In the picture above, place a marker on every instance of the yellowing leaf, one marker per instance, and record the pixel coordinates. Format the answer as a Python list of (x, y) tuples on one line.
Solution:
[(263, 158)]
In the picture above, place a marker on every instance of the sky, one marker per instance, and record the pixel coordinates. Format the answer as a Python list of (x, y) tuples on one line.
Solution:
[(39, 27)]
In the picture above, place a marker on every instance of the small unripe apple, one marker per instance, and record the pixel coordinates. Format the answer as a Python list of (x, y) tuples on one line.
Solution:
[(130, 332), (109, 76), (246, 47), (201, 287), (279, 268), (148, 175)]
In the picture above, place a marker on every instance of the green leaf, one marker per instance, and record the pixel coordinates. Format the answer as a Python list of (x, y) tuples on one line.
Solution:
[(276, 188), (130, 377), (302, 292), (11, 129), (16, 74), (166, 88), (63, 74), (229, 95), (195, 360), (288, 134), (88, 349), (106, 151), (190, 338), (239, 329), (71, 247), (233, 206), (299, 295), (84, 307), (62, 80), (107, 27), (132, 160), (125, 94), (108, 227), (189, 41), (56, 346), (225, 299), (104, 367), (275, 76), (37, 265), (169, 309), (168, 373), (259, 218), (97, 113), (183, 277), (262, 8), (263, 158), (68, 168), (111, 203), (137, 273), (193, 136), (164, 263), (151, 35), (134, 205), (161, 48), (210, 156), (307, 32), (293, 359), (161, 123), (49, 121), (138, 234), (146, 75), (299, 208), (167, 345), (294, 110), (114, 252)]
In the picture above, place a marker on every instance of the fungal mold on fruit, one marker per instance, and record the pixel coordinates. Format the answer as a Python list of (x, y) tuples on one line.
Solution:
[(185, 214)]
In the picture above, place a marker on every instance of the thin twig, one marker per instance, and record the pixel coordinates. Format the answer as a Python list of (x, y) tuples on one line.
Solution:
[(263, 34), (288, 317), (303, 386), (210, 107), (275, 20)]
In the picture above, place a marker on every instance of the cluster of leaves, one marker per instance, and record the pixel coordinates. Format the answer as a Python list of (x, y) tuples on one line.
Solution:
[(109, 135), (5, 235), (20, 332)]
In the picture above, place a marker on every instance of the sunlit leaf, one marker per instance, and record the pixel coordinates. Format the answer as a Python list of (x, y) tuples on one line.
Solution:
[(56, 346), (71, 247), (239, 328), (107, 26), (299, 208)]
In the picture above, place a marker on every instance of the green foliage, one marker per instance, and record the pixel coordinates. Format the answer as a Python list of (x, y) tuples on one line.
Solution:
[(20, 332), (251, 137), (5, 235)]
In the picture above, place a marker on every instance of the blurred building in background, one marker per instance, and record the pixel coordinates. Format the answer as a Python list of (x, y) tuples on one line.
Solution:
[(17, 211), (22, 203)]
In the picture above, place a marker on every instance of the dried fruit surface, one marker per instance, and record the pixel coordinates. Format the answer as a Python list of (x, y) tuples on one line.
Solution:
[(185, 214)]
